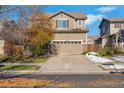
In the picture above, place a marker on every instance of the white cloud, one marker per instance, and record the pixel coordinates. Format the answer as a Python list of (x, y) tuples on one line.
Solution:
[(106, 9), (93, 18)]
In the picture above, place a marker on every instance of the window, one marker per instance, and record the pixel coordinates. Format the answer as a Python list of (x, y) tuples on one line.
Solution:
[(57, 42), (117, 25), (103, 29), (122, 25), (122, 34), (76, 42), (62, 23), (65, 42), (72, 42), (79, 22), (61, 42)]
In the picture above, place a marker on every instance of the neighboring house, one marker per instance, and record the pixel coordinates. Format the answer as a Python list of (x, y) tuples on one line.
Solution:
[(70, 33), (112, 32)]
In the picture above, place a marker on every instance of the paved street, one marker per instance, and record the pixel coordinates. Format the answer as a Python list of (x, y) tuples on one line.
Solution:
[(70, 71), (76, 81), (70, 64)]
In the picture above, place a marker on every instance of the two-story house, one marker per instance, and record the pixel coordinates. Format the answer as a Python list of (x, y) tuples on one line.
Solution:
[(70, 33), (111, 32)]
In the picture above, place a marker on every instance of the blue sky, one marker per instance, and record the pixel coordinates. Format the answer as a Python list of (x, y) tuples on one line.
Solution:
[(94, 13)]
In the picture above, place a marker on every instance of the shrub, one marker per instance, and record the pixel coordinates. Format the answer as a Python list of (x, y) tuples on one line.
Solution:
[(18, 50), (109, 51)]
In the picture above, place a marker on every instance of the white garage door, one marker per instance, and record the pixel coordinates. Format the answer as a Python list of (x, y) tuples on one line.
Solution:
[(68, 47)]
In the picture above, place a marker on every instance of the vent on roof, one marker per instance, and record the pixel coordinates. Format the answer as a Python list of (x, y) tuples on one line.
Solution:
[(62, 15)]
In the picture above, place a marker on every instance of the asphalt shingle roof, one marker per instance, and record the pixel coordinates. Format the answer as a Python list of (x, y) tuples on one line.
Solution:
[(76, 15)]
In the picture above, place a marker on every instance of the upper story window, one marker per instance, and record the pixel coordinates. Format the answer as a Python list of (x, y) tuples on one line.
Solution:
[(62, 23), (122, 25), (117, 25), (103, 30), (79, 22)]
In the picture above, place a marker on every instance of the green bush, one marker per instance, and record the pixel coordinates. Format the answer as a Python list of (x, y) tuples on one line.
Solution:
[(109, 51), (11, 58)]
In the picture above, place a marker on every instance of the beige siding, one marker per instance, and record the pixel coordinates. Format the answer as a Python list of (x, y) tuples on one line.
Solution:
[(115, 30), (84, 48), (72, 21), (112, 29), (70, 36)]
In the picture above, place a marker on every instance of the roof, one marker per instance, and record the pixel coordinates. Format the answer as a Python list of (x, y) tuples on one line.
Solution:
[(84, 30), (115, 19), (112, 20), (75, 15), (93, 37)]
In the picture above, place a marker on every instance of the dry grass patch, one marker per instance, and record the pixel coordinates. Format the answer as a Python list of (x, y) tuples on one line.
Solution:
[(22, 82), (61, 84), (106, 82)]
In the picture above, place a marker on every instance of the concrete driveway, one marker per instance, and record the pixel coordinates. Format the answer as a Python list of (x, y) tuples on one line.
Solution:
[(70, 64)]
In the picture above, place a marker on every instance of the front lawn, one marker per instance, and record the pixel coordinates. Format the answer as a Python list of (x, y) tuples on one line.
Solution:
[(17, 67), (20, 59), (37, 59)]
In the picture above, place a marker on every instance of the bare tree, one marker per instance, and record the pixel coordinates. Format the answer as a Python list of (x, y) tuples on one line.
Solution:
[(24, 13), (5, 8), (20, 12)]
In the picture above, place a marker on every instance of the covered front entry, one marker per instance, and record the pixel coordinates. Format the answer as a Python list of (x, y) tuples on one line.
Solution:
[(68, 47)]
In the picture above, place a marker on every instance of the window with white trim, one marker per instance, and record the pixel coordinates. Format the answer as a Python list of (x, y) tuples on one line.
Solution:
[(62, 23), (79, 22), (103, 29), (117, 25)]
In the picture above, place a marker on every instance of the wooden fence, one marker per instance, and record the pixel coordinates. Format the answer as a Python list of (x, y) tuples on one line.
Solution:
[(93, 48)]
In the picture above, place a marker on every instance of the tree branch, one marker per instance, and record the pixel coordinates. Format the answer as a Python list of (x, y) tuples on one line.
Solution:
[(1, 12)]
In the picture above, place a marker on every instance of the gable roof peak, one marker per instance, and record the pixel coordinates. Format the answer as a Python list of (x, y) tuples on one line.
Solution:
[(112, 20), (75, 15)]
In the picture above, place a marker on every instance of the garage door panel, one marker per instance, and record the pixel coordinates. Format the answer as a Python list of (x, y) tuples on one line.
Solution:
[(70, 47)]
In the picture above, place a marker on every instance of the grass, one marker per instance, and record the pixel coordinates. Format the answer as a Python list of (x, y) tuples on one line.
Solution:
[(38, 59), (23, 82), (20, 59), (22, 67)]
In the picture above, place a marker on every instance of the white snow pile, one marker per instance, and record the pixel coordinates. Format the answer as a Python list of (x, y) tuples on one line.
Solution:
[(95, 57), (115, 66), (119, 58)]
